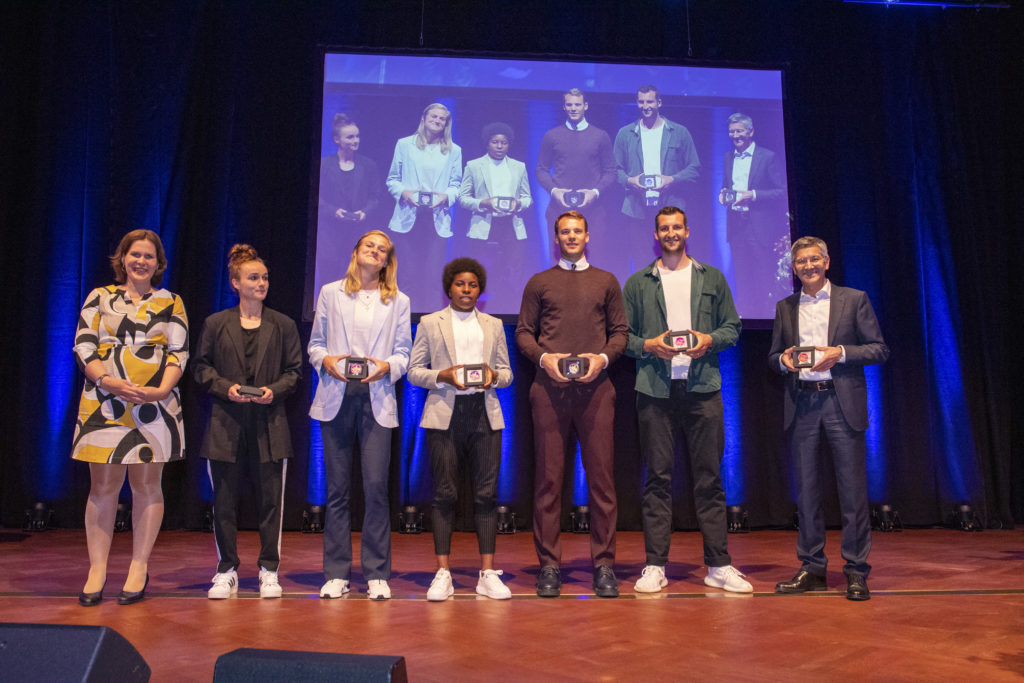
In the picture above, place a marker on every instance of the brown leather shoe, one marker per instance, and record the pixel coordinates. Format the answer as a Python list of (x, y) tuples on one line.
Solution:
[(803, 582)]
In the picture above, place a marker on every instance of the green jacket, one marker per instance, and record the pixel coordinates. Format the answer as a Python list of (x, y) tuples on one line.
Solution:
[(712, 312)]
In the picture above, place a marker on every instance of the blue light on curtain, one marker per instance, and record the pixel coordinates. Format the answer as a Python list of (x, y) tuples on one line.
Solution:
[(316, 486), (732, 462), (60, 384), (878, 479), (579, 480)]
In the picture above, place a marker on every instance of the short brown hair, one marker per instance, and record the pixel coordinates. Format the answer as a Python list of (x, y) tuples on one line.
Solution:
[(572, 214), (669, 211), (117, 258)]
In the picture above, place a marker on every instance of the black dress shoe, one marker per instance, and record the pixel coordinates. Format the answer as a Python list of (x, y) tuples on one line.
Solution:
[(857, 587), (127, 598), (549, 582), (91, 599), (605, 584), (803, 582)]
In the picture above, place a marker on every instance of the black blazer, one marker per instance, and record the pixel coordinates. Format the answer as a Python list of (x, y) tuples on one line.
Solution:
[(219, 363), (769, 179), (851, 324)]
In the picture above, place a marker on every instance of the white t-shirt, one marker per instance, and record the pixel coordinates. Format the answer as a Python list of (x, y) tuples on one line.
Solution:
[(676, 286)]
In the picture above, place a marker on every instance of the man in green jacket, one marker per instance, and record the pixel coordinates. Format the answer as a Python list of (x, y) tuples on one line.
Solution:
[(679, 386)]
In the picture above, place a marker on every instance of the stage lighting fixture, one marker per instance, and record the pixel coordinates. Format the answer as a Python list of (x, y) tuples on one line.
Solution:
[(737, 519), (39, 518), (313, 520), (123, 518), (884, 518), (965, 519), (506, 520), (411, 521), (579, 520)]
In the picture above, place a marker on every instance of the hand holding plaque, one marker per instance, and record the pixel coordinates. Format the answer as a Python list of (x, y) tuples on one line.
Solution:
[(504, 204), (574, 198), (425, 199)]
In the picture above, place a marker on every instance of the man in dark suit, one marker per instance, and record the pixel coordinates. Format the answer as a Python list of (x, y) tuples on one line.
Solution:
[(830, 395), (754, 190)]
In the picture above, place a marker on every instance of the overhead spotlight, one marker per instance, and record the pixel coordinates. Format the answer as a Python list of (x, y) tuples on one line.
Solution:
[(884, 518), (411, 521), (313, 520), (736, 518), (39, 518), (123, 518), (506, 520), (965, 519), (579, 520)]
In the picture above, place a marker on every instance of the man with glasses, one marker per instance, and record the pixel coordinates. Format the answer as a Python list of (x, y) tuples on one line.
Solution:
[(823, 337)]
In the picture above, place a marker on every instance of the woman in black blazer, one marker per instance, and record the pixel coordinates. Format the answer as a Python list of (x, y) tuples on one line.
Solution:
[(249, 359)]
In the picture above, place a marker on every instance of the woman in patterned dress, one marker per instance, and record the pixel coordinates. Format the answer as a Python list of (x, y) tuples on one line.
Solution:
[(132, 345)]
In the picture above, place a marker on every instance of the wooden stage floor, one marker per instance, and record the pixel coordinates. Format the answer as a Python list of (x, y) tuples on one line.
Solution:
[(946, 605)]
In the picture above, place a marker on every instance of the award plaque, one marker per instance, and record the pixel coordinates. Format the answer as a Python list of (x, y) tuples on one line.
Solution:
[(474, 375), (356, 368), (574, 198), (504, 204), (728, 196), (573, 367), (650, 182), (681, 340), (803, 357), (247, 390), (424, 199)]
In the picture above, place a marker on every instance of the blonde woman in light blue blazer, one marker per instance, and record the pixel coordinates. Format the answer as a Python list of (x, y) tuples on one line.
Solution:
[(362, 315)]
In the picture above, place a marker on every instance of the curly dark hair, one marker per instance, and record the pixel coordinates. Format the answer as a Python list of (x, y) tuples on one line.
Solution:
[(463, 264)]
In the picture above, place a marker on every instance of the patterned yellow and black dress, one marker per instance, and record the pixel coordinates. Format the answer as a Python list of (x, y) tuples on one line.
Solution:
[(135, 341)]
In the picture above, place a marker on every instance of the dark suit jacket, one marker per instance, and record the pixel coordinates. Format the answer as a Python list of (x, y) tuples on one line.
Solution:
[(220, 363), (768, 178), (851, 324)]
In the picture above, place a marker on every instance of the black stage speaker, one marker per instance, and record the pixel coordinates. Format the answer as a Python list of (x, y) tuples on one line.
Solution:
[(56, 652), (248, 664)]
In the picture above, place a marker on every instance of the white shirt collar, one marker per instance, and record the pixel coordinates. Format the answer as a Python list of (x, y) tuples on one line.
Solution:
[(749, 150), (462, 315), (823, 293), (582, 125), (568, 265)]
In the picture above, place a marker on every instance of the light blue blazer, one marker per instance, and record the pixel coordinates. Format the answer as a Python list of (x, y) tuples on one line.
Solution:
[(474, 188), (390, 340), (434, 350), (404, 175)]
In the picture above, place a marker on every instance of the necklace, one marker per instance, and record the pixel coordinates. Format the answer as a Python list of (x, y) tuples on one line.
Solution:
[(366, 298)]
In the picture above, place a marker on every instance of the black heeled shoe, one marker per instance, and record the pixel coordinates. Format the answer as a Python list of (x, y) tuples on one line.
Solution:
[(91, 599), (126, 598)]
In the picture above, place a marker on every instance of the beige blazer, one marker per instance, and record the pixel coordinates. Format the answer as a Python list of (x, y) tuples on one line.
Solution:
[(434, 350)]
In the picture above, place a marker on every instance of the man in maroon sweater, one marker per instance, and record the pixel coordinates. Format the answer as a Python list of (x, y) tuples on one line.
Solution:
[(573, 309), (576, 166)]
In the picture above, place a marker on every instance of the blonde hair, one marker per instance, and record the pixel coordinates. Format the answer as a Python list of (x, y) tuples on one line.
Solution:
[(387, 278), (239, 255), (446, 137)]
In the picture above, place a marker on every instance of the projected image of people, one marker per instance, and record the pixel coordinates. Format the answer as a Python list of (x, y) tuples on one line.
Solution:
[(424, 179), (576, 166), (496, 190), (657, 164), (754, 190), (350, 192)]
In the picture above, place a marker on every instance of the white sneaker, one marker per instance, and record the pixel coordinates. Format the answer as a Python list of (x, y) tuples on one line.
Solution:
[(490, 585), (377, 589), (269, 587), (334, 588), (729, 578), (651, 580), (441, 587), (225, 584)]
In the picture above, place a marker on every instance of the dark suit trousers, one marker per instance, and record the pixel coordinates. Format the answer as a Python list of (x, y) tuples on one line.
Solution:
[(700, 416), (469, 439), (590, 409), (355, 421), (267, 480), (818, 412)]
